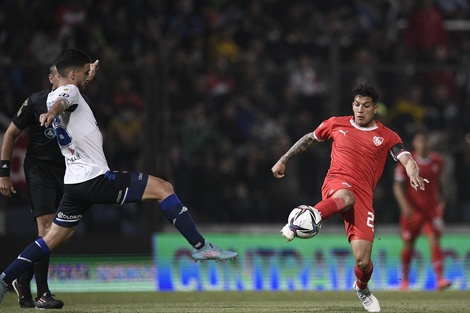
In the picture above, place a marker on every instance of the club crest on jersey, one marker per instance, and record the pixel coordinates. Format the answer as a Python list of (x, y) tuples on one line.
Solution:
[(49, 133), (378, 140)]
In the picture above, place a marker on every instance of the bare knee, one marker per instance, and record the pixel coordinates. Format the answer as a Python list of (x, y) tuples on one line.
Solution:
[(44, 223), (363, 264), (58, 236), (157, 189), (347, 197)]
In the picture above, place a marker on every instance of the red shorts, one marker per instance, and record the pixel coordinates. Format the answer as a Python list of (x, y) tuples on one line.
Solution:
[(417, 223), (358, 220)]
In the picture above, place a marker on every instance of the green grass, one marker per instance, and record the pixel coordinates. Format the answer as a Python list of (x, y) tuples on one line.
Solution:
[(239, 302)]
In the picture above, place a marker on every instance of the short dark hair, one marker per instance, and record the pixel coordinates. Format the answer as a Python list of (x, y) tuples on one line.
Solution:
[(366, 90), (70, 58)]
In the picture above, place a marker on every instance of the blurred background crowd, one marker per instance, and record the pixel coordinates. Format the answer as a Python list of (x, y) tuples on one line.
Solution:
[(209, 94)]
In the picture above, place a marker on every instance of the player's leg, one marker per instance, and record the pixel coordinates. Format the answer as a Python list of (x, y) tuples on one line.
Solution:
[(131, 187), (45, 189), (56, 236), (433, 232), (45, 299), (337, 197), (359, 225), (410, 228), (178, 214), (40, 269), (363, 269)]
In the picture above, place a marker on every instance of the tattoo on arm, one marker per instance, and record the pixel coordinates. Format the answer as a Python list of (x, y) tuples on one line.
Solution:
[(300, 146)]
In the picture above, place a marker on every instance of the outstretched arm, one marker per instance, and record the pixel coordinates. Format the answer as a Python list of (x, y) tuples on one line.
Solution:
[(400, 196), (412, 171), (59, 106), (300, 146)]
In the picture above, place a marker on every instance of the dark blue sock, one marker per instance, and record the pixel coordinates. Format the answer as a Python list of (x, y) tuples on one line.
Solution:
[(179, 216), (33, 253)]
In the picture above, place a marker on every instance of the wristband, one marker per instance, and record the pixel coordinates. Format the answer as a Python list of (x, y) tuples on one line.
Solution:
[(5, 168)]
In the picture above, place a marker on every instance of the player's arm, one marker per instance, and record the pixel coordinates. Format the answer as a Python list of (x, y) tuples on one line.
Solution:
[(440, 196), (399, 190), (59, 106), (304, 143), (6, 185), (412, 170)]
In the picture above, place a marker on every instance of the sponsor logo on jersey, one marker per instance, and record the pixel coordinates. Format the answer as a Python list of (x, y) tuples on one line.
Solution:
[(73, 158), (346, 184), (49, 133), (378, 140), (64, 95), (343, 132)]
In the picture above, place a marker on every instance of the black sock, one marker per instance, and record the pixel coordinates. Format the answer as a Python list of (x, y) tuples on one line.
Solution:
[(41, 271)]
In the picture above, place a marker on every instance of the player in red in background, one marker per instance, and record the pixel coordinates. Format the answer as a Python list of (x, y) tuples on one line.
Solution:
[(359, 151), (421, 212)]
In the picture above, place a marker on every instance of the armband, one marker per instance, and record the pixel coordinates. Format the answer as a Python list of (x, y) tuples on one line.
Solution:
[(5, 168)]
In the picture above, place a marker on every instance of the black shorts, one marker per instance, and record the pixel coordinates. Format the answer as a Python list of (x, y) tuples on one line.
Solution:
[(45, 185), (110, 188)]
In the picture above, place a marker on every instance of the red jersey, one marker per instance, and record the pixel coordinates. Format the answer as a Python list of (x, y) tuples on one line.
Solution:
[(358, 153), (423, 201)]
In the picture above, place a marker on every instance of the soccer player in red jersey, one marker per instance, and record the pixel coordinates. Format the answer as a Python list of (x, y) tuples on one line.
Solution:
[(421, 212), (359, 151)]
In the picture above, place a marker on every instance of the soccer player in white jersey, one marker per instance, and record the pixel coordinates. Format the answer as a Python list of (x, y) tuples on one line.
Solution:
[(88, 179)]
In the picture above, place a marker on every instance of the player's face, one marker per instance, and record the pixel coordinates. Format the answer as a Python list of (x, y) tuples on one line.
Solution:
[(420, 143), (54, 77), (81, 76), (364, 111)]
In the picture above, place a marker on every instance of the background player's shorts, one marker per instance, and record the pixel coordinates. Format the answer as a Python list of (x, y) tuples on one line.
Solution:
[(358, 220), (417, 223), (110, 188), (45, 185)]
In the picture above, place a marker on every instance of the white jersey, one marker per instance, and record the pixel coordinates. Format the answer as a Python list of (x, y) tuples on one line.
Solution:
[(79, 137)]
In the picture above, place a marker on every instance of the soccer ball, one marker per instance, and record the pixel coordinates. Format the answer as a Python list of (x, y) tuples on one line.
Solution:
[(303, 222)]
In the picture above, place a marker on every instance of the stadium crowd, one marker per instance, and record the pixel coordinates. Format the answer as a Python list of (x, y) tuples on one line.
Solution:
[(238, 81)]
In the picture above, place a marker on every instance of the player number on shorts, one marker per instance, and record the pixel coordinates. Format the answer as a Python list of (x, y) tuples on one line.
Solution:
[(370, 220)]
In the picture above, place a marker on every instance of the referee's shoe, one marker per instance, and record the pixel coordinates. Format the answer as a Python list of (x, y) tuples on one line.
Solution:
[(47, 301)]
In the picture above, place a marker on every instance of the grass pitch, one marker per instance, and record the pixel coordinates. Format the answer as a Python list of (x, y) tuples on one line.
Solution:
[(239, 302)]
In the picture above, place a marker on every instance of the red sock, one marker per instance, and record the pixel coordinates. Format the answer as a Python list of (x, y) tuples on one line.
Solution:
[(329, 207), (437, 256), (406, 255), (363, 276)]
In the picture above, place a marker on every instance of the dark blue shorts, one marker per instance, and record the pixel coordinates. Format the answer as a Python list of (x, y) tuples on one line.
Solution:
[(110, 188)]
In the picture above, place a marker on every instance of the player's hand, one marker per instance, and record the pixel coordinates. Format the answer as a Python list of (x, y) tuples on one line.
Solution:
[(418, 182), (278, 169), (46, 119), (6, 186), (93, 68)]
